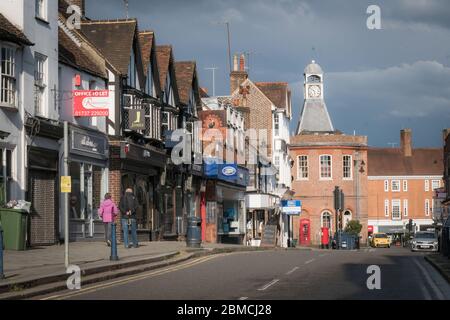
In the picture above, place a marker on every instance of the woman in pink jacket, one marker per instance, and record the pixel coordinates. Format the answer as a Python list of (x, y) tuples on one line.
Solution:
[(108, 212)]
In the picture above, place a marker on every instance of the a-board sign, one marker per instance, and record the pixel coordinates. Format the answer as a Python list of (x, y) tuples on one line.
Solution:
[(269, 236)]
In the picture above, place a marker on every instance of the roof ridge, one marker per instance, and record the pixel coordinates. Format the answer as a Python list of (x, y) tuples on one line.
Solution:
[(108, 21)]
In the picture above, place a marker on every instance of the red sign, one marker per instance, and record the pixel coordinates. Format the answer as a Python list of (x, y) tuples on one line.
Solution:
[(370, 229), (90, 103)]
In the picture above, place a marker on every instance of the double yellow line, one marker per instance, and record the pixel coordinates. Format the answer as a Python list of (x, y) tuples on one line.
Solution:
[(132, 278)]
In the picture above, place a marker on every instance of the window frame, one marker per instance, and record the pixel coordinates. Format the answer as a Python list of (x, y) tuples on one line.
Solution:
[(8, 80), (396, 203), (399, 186), (438, 184), (427, 185), (405, 208), (276, 124), (350, 168), (405, 185), (330, 167), (41, 5), (386, 208), (40, 86), (386, 185), (427, 207), (300, 168)]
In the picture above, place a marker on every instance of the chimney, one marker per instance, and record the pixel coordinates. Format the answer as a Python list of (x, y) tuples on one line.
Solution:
[(238, 74), (80, 3), (445, 134), (405, 142)]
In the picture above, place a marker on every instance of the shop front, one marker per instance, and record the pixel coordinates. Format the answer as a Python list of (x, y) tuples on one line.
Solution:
[(225, 203), (88, 169), (140, 170)]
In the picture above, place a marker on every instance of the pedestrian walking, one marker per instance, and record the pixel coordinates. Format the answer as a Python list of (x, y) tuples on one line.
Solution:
[(108, 212), (128, 206)]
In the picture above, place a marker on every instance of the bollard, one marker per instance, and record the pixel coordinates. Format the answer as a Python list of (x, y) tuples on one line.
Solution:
[(2, 275), (113, 256)]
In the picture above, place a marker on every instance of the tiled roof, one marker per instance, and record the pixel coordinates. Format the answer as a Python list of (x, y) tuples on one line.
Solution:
[(277, 92), (163, 56), (80, 57), (184, 71), (392, 162), (10, 32), (146, 43), (315, 117), (114, 39)]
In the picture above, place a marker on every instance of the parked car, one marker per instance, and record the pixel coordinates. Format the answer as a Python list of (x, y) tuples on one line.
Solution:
[(425, 241), (381, 240)]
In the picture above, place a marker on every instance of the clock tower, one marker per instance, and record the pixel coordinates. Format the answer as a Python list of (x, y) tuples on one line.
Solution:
[(314, 117)]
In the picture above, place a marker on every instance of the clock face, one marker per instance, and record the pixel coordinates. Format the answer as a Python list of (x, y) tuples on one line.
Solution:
[(314, 91)]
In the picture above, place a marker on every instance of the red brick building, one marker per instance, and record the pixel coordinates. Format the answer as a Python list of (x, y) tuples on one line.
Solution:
[(325, 158)]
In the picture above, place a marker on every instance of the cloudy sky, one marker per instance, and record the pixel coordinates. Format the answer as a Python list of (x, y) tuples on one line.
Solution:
[(376, 81)]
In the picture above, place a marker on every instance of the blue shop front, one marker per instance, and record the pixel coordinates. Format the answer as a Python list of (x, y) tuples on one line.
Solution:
[(225, 203)]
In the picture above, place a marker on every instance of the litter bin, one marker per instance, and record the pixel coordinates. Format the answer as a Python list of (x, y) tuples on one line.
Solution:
[(14, 224), (194, 232)]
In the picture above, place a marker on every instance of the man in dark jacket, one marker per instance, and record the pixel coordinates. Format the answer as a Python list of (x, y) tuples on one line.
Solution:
[(128, 206)]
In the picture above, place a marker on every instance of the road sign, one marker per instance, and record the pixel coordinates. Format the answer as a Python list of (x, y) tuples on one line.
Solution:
[(66, 184), (291, 207)]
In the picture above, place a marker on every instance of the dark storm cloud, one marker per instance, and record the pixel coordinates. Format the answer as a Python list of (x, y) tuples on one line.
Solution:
[(390, 78)]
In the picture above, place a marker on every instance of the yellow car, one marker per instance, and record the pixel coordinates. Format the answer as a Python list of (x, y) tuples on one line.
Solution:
[(381, 240)]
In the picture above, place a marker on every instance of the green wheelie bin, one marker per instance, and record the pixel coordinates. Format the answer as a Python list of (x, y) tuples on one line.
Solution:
[(14, 224)]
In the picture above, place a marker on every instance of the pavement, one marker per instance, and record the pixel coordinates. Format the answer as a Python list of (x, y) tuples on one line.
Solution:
[(43, 266), (441, 263), (279, 274)]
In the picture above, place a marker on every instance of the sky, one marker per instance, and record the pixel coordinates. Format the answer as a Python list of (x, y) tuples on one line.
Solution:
[(377, 82)]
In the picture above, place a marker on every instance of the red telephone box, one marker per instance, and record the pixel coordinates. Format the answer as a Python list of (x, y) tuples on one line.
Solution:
[(305, 232), (325, 238)]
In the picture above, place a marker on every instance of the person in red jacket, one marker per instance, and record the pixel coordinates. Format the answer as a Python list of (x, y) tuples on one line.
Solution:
[(108, 212)]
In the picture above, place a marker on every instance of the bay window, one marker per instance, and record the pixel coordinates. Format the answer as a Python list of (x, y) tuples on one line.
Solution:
[(8, 77)]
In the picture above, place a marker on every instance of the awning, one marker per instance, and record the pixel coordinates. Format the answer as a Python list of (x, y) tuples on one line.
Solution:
[(391, 229)]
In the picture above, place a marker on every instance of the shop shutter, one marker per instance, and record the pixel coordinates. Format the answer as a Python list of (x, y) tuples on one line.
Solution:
[(43, 213)]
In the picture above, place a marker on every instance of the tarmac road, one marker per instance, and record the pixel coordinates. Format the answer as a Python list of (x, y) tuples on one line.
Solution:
[(280, 274)]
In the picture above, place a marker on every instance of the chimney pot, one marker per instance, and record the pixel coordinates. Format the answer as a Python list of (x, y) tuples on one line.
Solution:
[(242, 63)]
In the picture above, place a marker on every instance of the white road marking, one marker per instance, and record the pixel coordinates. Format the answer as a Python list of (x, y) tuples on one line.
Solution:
[(243, 298), (293, 270), (271, 283), (309, 261), (433, 286)]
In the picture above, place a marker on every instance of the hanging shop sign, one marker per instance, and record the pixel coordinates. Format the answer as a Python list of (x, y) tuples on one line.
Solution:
[(136, 119), (91, 103), (291, 207)]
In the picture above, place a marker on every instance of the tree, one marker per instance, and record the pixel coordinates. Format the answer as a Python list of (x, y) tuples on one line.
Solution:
[(353, 227)]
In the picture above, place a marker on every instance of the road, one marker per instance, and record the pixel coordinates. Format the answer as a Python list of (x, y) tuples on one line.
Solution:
[(280, 274)]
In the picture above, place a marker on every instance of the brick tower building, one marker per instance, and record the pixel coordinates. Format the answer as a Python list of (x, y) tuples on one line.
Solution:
[(324, 158)]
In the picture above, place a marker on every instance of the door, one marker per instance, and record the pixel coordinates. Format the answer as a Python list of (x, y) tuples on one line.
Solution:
[(305, 232), (43, 210)]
